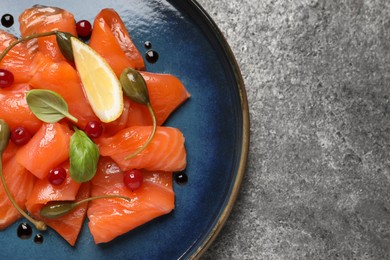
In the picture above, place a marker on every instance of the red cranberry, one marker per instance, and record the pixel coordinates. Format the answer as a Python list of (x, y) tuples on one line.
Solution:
[(20, 135), (133, 179), (57, 176), (94, 129), (6, 78), (84, 29)]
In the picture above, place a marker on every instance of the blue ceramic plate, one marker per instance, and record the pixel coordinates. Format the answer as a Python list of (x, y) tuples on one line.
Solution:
[(214, 121)]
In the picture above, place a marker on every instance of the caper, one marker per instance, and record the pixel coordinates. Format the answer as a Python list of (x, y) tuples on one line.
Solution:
[(134, 87), (65, 44), (56, 209)]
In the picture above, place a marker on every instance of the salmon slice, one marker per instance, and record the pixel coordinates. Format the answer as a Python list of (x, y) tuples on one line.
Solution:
[(20, 183), (44, 192), (166, 93), (67, 226), (13, 102), (48, 148), (112, 41), (63, 79), (18, 60), (9, 152), (166, 152), (109, 218), (39, 19)]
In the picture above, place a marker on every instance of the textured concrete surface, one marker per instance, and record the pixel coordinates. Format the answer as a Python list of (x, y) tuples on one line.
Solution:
[(318, 83)]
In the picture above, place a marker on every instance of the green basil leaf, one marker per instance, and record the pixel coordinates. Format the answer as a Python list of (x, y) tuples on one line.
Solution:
[(84, 156), (48, 106)]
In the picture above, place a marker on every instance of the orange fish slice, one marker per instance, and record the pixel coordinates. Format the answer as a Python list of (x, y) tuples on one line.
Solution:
[(166, 93), (18, 60), (39, 19), (63, 79), (166, 152), (20, 183), (48, 148), (112, 41), (109, 218), (67, 226), (13, 102)]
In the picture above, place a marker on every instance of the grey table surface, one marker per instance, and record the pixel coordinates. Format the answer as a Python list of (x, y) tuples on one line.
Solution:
[(318, 176)]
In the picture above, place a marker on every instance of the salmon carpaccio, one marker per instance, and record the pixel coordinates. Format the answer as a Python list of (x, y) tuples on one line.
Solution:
[(67, 226), (62, 78), (39, 64), (40, 19), (112, 41), (166, 152), (18, 60), (166, 93), (109, 218), (48, 148), (13, 102), (20, 184)]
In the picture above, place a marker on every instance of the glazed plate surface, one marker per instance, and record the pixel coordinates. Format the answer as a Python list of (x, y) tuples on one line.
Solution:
[(214, 122)]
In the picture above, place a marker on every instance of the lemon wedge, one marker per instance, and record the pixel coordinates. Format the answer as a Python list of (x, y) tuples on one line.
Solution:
[(101, 86)]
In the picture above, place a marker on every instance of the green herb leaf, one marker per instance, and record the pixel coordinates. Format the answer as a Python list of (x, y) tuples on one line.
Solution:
[(84, 156), (48, 106)]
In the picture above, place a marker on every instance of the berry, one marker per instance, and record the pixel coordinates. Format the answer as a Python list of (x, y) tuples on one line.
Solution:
[(84, 29), (94, 129), (6, 78), (57, 176), (20, 135), (133, 179)]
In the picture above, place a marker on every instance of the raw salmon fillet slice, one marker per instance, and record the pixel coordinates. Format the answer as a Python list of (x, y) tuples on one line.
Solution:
[(67, 226), (166, 93), (109, 218), (9, 152), (112, 41), (44, 192), (14, 109), (39, 19), (48, 148), (166, 152), (63, 79), (18, 60), (20, 183)]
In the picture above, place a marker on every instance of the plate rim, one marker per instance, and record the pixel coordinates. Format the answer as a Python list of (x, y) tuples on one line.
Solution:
[(245, 137)]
